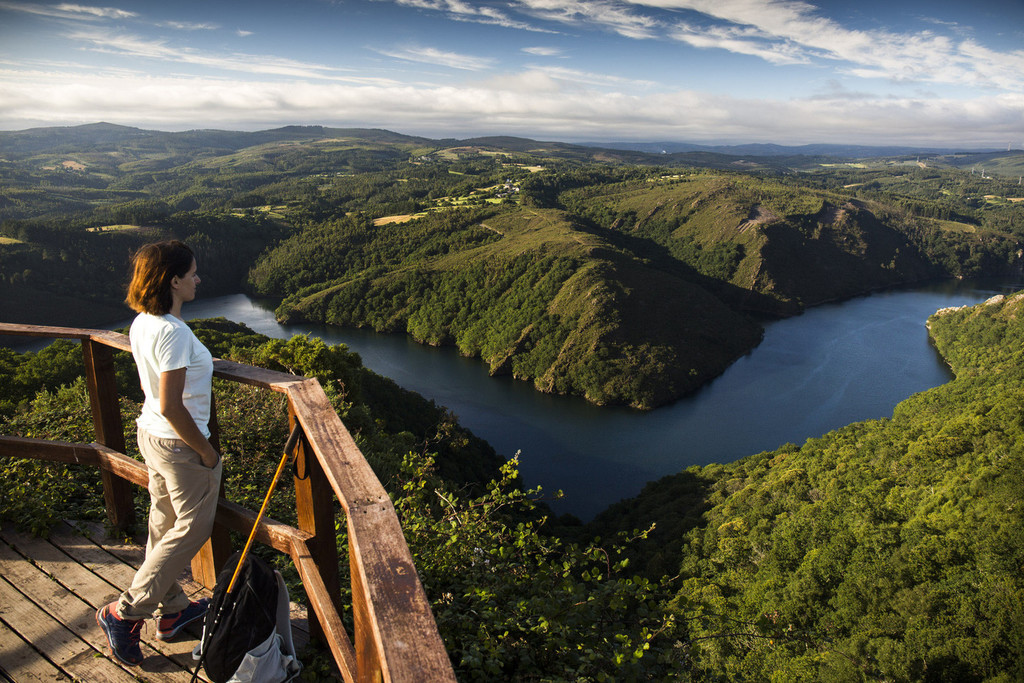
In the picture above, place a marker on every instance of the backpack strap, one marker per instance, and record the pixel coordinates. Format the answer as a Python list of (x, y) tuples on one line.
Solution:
[(284, 621)]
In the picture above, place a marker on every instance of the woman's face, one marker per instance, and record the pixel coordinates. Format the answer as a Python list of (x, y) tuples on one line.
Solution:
[(184, 287)]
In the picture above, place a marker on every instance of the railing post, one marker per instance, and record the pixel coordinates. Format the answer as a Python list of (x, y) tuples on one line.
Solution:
[(217, 549), (314, 506), (106, 420), (368, 667)]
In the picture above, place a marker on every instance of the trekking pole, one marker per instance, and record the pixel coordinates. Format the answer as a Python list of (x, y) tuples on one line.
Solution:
[(288, 448)]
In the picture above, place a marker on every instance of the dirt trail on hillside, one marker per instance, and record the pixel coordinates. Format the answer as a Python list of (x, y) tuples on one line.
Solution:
[(759, 215)]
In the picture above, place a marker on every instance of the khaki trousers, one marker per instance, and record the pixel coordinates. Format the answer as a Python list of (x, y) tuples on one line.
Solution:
[(183, 503)]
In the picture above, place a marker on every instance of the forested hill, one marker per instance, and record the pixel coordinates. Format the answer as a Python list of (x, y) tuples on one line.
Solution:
[(618, 284), (886, 550), (623, 277), (529, 291), (889, 549)]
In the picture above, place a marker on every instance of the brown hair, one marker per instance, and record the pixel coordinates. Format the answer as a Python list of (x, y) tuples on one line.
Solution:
[(154, 265)]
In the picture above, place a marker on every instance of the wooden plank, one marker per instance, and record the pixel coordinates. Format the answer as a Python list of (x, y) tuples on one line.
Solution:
[(323, 603), (165, 661), (22, 663), (274, 380), (106, 420), (247, 374), (116, 574), (397, 628), (41, 449), (129, 550), (217, 549), (71, 536), (346, 469), (120, 465), (402, 625), (134, 553), (277, 535), (116, 571), (16, 567), (59, 645), (369, 657), (115, 340), (315, 510), (94, 455), (45, 331)]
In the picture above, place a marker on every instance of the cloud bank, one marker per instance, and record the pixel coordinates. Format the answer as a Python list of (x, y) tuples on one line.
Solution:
[(534, 104), (939, 83)]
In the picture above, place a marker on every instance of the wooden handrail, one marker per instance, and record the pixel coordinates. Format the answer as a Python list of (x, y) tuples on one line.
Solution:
[(395, 637)]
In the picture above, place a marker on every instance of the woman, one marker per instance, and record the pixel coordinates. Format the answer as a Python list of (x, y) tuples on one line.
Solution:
[(175, 370)]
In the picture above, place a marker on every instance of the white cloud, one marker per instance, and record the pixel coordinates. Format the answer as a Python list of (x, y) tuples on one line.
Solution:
[(781, 32), (135, 46), (104, 12), (188, 26), (604, 13), (543, 51), (67, 11), (476, 13), (533, 104), (784, 31), (576, 77), (430, 55), (740, 40), (242, 33)]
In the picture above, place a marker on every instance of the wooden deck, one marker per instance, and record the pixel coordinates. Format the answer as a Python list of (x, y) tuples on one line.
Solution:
[(392, 636), (50, 590)]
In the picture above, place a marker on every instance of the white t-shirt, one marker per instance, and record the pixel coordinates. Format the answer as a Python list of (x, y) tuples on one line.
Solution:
[(161, 343)]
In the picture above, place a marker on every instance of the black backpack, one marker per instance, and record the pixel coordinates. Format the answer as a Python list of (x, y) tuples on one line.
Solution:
[(248, 619)]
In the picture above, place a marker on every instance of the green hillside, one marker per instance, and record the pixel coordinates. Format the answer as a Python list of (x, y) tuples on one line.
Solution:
[(788, 246), (620, 284), (527, 291), (587, 271), (886, 550)]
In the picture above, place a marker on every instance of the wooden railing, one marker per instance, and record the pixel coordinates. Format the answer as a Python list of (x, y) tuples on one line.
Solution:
[(394, 635)]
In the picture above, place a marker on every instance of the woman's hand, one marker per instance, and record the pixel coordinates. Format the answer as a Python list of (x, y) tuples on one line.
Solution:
[(172, 407)]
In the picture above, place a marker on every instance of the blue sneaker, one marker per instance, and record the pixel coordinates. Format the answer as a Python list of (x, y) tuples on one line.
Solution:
[(169, 625), (123, 635)]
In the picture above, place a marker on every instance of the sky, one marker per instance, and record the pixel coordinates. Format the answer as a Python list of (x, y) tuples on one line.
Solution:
[(946, 73)]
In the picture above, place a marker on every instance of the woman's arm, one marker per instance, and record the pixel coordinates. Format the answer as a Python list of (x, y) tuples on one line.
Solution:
[(172, 407)]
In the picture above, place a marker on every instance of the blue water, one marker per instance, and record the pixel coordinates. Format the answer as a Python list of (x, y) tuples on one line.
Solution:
[(833, 365)]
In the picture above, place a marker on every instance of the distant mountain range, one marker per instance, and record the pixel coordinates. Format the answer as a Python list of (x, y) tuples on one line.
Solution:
[(34, 140), (771, 150), (622, 276), (108, 135)]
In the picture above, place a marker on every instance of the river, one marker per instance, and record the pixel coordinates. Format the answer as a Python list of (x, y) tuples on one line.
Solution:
[(835, 364)]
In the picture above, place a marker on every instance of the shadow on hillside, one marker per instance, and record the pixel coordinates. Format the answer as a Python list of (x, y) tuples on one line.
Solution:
[(674, 504), (658, 256)]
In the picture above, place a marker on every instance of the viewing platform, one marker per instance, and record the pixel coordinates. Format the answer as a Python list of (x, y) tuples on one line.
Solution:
[(49, 594), (50, 589)]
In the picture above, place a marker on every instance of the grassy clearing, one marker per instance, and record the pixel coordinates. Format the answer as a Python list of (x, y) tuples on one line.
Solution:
[(953, 226), (9, 240), (405, 218), (113, 228), (271, 211)]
